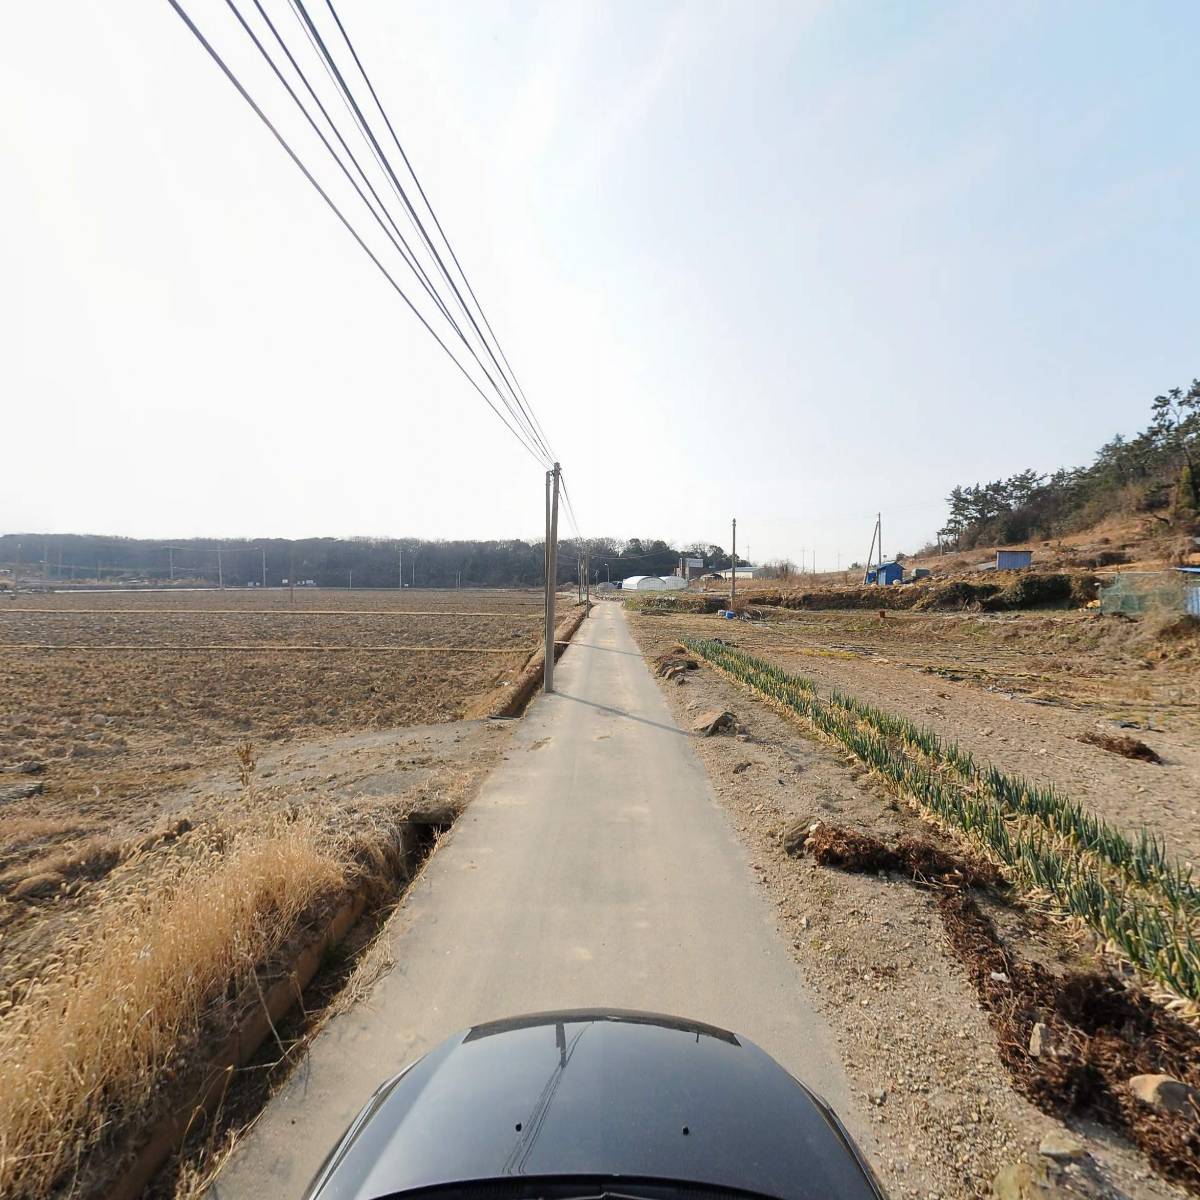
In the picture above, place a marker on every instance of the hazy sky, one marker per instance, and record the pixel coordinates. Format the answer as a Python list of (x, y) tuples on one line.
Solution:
[(789, 262)]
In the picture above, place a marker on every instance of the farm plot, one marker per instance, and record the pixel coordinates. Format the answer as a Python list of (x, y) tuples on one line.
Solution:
[(110, 697), (194, 783), (1031, 692)]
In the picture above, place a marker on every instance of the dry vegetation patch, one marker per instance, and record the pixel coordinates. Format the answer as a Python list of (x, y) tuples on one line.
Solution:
[(94, 1039)]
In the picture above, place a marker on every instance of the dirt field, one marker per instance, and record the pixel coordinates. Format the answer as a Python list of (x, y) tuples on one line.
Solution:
[(1017, 691), (110, 743), (203, 777)]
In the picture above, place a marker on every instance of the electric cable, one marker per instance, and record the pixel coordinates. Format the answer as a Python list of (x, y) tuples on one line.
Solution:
[(227, 71)]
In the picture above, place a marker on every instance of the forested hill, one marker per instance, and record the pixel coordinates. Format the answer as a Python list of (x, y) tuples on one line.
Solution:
[(1157, 473), (332, 562)]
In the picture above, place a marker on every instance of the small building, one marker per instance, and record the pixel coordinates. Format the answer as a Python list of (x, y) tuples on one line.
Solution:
[(743, 572), (886, 574), (1013, 560), (643, 583)]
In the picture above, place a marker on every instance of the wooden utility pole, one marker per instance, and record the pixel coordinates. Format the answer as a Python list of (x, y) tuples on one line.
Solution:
[(552, 478), (171, 562), (733, 572), (879, 526), (264, 566), (400, 551), (350, 585), (220, 571), (292, 576), (587, 581)]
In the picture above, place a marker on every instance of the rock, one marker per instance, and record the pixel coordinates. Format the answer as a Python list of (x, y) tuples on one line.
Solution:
[(21, 792), (1166, 1094), (670, 664), (45, 883), (29, 767), (878, 1096), (744, 737), (714, 721), (1000, 977), (1054, 1179), (1061, 1146), (795, 834), (742, 766), (1043, 1042)]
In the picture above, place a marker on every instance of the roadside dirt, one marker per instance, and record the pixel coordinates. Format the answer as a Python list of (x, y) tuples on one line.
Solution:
[(916, 1044)]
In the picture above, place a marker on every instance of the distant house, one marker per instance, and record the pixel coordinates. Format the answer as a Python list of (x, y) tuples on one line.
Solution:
[(743, 572), (1013, 560), (886, 574)]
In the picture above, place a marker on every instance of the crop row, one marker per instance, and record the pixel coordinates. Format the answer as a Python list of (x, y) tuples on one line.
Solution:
[(1143, 858), (1040, 855)]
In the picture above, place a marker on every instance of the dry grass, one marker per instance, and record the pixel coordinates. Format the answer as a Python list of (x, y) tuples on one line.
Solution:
[(19, 831), (89, 1044)]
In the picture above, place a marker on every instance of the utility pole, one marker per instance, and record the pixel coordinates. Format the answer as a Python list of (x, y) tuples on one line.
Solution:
[(587, 581), (171, 562), (733, 568), (400, 551), (264, 566), (292, 575), (351, 584), (879, 523), (220, 571), (552, 478), (874, 536)]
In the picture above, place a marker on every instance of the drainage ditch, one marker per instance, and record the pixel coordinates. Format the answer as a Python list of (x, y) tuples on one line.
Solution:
[(180, 1154)]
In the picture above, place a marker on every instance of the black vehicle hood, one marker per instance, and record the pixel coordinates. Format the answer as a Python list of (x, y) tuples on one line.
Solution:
[(597, 1094)]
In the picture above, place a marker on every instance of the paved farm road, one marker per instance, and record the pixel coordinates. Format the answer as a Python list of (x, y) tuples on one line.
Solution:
[(595, 868)]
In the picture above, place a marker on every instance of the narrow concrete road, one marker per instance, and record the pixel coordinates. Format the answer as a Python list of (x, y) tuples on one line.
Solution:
[(595, 868)]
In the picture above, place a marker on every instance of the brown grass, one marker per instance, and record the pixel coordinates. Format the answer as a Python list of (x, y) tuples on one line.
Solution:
[(89, 1044), (1122, 744)]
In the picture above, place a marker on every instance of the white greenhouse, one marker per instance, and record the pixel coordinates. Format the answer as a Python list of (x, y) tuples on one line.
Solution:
[(643, 583)]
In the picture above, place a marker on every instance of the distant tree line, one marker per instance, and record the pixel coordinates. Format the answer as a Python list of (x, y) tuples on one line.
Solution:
[(335, 562), (1156, 472)]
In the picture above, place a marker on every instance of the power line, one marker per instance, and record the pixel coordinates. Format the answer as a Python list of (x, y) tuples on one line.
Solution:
[(365, 128), (402, 247), (437, 223), (241, 90)]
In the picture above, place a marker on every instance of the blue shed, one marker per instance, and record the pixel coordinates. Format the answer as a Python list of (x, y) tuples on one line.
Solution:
[(887, 573), (1013, 560)]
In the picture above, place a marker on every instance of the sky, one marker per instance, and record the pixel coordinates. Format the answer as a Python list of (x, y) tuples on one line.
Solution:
[(791, 263)]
